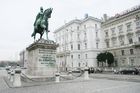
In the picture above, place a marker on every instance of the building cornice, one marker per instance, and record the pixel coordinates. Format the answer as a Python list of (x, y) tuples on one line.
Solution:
[(120, 47), (121, 17), (77, 21)]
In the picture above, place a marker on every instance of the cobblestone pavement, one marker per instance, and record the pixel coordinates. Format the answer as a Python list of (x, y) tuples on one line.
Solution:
[(76, 86)]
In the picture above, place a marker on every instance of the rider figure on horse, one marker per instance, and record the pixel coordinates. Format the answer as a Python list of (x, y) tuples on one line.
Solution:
[(41, 22), (38, 18)]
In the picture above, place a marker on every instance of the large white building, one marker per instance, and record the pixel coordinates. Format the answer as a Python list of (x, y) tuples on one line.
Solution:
[(122, 36), (79, 42)]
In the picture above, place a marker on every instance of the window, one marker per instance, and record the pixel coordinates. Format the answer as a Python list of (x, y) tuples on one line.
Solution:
[(120, 28), (85, 34), (132, 62), (130, 40), (77, 27), (138, 24), (123, 61), (78, 46), (113, 30), (78, 36), (95, 26), (85, 27), (96, 34), (131, 51), (107, 44), (114, 53), (72, 64), (79, 64), (71, 47), (97, 45), (106, 34), (79, 56), (86, 56), (122, 51), (85, 45), (128, 26), (139, 38), (114, 42), (67, 30), (71, 56), (121, 39)]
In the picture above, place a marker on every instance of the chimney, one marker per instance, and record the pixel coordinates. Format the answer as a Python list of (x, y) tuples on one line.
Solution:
[(86, 15), (105, 17)]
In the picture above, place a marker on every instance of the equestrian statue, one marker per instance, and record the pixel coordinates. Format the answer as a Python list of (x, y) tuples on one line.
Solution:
[(41, 22)]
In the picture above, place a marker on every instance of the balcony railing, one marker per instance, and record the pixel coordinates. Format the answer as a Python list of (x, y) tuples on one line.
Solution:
[(137, 27), (136, 44), (128, 30), (113, 34), (120, 32)]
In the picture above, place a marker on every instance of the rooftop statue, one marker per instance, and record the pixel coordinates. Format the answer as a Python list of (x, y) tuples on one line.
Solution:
[(41, 22)]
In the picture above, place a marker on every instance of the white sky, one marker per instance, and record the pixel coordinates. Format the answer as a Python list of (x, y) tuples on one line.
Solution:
[(17, 18)]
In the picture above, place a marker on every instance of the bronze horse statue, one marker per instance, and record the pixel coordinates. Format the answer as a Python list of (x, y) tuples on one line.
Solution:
[(42, 24)]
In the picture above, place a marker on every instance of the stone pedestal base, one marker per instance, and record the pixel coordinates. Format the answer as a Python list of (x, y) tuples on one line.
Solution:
[(41, 59)]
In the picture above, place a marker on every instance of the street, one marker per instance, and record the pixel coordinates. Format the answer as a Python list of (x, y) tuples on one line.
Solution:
[(75, 86)]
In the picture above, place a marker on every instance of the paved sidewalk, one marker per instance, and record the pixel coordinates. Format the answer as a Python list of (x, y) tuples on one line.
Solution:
[(131, 78), (78, 85)]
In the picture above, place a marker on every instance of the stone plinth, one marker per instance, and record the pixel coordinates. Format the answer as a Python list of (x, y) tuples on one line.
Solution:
[(41, 58)]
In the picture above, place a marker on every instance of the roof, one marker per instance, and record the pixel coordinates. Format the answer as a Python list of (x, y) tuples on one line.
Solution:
[(123, 14), (78, 21)]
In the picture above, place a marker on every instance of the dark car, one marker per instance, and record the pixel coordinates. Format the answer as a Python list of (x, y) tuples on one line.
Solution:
[(133, 71), (91, 70), (95, 70)]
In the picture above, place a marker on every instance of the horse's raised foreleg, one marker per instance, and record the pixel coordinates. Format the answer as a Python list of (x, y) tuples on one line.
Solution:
[(47, 35), (40, 36), (34, 38)]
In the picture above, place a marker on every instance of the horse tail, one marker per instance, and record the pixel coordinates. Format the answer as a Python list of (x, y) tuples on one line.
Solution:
[(33, 34)]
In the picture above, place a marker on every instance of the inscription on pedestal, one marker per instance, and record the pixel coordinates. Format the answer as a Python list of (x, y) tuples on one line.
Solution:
[(46, 57)]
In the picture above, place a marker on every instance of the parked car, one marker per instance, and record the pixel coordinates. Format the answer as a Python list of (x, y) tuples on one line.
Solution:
[(95, 70), (133, 71), (77, 70), (91, 70), (98, 70)]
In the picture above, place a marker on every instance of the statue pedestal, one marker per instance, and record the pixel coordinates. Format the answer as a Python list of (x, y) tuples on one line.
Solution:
[(41, 59)]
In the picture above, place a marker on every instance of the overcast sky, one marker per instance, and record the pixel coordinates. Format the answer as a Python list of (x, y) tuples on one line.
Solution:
[(17, 18)]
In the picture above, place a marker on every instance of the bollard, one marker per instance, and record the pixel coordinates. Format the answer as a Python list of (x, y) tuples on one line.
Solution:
[(57, 77), (17, 79), (9, 74), (12, 76), (70, 73), (86, 75)]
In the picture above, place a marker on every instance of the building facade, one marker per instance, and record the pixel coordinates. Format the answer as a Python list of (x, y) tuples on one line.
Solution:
[(79, 43), (122, 37)]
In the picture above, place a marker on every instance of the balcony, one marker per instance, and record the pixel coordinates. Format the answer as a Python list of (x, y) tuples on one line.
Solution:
[(136, 44), (129, 32), (63, 53), (121, 34), (97, 39), (138, 29), (106, 38), (113, 34)]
